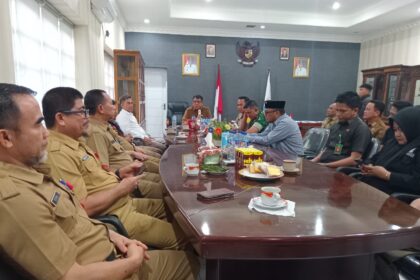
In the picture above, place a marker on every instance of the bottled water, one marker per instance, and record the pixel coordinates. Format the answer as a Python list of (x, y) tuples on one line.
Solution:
[(174, 121), (230, 146), (245, 140)]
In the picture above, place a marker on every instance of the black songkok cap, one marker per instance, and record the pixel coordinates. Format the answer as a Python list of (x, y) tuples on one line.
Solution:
[(274, 104)]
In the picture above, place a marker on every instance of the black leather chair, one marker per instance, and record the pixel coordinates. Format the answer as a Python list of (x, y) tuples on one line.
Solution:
[(115, 222), (12, 271), (371, 150), (177, 109), (408, 266), (314, 141)]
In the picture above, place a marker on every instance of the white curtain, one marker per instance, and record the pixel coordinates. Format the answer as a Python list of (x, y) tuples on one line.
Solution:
[(399, 47), (43, 43), (109, 75)]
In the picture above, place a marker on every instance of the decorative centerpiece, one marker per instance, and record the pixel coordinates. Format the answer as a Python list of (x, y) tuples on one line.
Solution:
[(217, 128)]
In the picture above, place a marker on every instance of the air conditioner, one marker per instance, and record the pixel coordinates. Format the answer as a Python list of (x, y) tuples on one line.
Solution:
[(103, 10)]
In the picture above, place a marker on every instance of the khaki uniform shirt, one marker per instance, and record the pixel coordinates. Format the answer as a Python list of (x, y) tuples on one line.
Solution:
[(77, 163), (43, 227), (328, 122), (106, 143), (190, 112), (378, 129)]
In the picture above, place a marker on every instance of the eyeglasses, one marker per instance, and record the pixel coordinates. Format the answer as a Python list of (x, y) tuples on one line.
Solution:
[(84, 112)]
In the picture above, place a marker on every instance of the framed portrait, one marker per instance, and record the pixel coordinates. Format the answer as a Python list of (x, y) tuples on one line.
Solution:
[(301, 67), (190, 64), (210, 50), (284, 53)]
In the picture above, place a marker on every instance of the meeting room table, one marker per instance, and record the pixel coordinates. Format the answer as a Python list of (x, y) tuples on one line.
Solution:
[(339, 223)]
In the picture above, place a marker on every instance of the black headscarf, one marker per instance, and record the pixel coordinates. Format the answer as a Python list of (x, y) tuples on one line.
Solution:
[(408, 120)]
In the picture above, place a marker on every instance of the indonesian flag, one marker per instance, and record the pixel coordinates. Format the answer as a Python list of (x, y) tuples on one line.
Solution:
[(218, 101)]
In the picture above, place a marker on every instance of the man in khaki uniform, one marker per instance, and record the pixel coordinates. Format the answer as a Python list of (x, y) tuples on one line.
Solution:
[(105, 143), (43, 228), (331, 119), (100, 191), (373, 118)]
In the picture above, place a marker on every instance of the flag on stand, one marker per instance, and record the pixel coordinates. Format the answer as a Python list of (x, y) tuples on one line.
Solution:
[(218, 101), (268, 88)]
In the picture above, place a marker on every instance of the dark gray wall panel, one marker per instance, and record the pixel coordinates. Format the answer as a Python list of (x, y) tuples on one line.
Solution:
[(333, 70)]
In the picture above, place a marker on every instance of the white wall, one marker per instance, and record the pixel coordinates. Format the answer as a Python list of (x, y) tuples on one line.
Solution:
[(116, 38), (7, 74), (401, 46)]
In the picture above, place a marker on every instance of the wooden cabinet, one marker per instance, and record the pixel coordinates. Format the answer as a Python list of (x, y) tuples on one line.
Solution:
[(129, 80), (397, 82)]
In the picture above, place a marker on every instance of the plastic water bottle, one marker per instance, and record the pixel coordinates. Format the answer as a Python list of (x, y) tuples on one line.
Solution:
[(231, 146), (245, 140), (174, 121)]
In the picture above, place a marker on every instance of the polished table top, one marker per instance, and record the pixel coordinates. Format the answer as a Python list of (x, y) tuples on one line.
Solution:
[(335, 215)]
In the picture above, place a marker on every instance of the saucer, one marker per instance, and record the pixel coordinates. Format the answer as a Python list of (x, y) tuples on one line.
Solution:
[(296, 170), (281, 204)]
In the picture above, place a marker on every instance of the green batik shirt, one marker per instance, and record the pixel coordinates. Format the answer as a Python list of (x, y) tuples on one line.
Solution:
[(260, 122)]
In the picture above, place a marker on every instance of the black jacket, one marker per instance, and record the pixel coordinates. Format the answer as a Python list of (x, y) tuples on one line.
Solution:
[(403, 161)]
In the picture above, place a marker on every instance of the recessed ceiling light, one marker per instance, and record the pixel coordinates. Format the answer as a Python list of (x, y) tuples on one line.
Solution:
[(336, 6), (208, 1), (262, 26), (146, 21), (418, 10)]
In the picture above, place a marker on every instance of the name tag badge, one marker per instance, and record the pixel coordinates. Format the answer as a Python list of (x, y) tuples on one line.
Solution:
[(85, 157), (55, 198), (338, 148)]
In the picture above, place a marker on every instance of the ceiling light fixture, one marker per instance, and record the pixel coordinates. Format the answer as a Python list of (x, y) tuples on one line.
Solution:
[(262, 26), (208, 1), (418, 10), (146, 21), (336, 6)]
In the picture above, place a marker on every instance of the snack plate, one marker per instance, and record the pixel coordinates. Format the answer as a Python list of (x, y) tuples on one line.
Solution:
[(258, 176)]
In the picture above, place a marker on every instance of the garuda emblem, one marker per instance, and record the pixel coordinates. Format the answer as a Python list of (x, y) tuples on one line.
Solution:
[(247, 53)]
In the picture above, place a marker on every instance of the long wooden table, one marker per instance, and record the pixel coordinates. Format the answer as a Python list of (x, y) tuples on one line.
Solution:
[(340, 223)]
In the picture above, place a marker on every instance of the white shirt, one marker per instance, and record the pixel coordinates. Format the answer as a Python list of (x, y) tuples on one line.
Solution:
[(300, 71), (129, 125), (190, 68)]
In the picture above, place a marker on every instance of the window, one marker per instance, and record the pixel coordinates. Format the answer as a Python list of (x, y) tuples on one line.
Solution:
[(43, 45), (109, 75)]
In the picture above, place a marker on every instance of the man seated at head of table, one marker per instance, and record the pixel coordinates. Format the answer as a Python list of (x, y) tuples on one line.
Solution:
[(254, 119), (282, 134), (101, 192), (192, 111), (44, 229), (104, 141), (373, 118), (330, 119), (129, 125), (240, 103), (349, 138)]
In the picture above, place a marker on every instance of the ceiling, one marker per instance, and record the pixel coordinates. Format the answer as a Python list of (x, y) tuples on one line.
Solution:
[(354, 21)]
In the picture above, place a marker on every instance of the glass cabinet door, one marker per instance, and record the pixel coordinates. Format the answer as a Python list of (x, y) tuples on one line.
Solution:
[(392, 88), (126, 66)]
